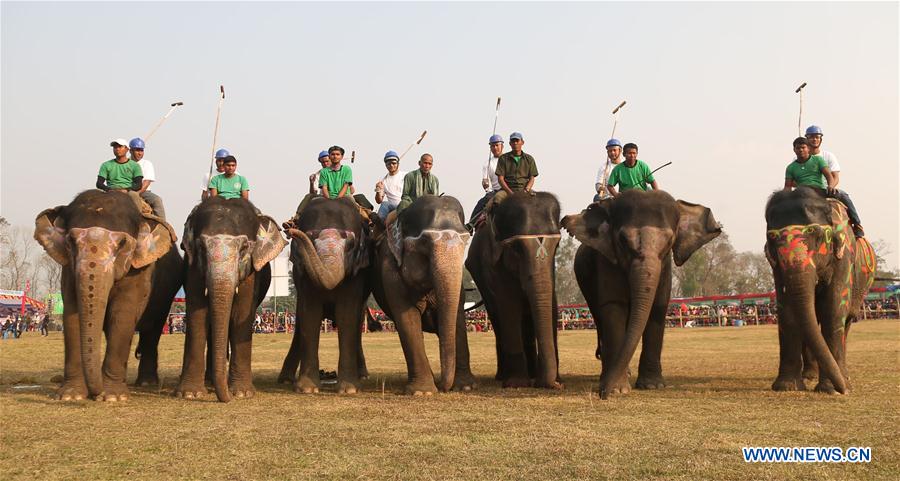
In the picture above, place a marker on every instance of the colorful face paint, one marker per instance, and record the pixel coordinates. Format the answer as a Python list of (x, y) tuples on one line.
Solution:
[(797, 245)]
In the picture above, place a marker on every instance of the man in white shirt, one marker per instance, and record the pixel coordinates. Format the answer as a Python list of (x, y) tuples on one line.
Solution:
[(324, 162), (489, 180), (136, 146), (613, 158), (814, 138), (390, 188)]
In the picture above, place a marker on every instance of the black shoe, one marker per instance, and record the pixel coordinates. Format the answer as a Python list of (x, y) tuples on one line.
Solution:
[(470, 228), (858, 230)]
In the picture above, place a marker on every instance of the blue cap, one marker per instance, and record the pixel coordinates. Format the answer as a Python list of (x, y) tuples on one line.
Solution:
[(814, 130), (222, 153), (323, 153), (613, 143), (496, 138), (516, 135), (136, 143), (391, 155)]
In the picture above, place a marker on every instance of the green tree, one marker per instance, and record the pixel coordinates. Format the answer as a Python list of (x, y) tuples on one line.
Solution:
[(567, 290)]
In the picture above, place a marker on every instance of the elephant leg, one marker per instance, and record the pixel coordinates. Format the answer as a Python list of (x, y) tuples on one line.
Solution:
[(529, 345), (650, 368), (464, 380), (420, 378), (308, 326), (349, 320), (194, 362), (810, 364), (790, 362), (831, 318), (147, 354), (512, 348), (613, 317), (240, 333), (361, 369), (119, 328), (74, 387), (288, 372)]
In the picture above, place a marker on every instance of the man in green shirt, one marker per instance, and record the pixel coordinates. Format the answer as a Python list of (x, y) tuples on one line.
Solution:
[(516, 170), (335, 181), (120, 174), (812, 171), (229, 185), (631, 174), (419, 182)]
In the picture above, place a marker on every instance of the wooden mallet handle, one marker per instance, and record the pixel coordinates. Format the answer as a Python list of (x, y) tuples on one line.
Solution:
[(800, 88), (619, 107)]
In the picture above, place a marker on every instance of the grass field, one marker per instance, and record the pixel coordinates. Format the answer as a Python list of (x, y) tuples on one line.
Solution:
[(718, 401)]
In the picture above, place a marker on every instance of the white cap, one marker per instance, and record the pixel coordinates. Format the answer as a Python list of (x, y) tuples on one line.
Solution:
[(121, 142)]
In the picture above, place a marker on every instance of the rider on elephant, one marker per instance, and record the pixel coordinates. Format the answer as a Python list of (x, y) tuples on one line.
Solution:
[(336, 180), (220, 167), (120, 174), (136, 145), (631, 174), (230, 184), (389, 189), (325, 162), (516, 170), (815, 171), (613, 158), (419, 182), (489, 180)]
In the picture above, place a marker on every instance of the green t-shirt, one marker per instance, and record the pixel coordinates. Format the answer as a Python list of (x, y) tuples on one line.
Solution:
[(628, 178), (120, 176), (229, 187), (808, 173), (335, 179)]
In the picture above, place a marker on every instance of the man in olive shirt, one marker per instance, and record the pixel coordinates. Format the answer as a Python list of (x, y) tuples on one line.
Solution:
[(120, 174), (230, 184), (516, 170), (419, 182), (631, 174), (812, 171)]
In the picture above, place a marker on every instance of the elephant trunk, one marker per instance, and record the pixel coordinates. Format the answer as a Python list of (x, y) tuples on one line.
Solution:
[(541, 305), (799, 288), (325, 274), (643, 280), (446, 268), (93, 287), (221, 297)]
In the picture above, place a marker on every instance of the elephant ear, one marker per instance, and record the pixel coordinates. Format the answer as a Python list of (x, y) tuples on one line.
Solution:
[(696, 227), (592, 228), (154, 240), (840, 223), (125, 259), (50, 232), (187, 242), (395, 238), (361, 259), (269, 242)]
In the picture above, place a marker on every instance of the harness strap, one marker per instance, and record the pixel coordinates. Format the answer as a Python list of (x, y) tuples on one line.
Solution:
[(539, 238)]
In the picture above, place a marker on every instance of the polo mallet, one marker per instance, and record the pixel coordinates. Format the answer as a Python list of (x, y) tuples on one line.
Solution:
[(800, 117), (656, 169), (414, 143), (494, 132), (174, 106), (616, 119), (212, 160), (352, 156)]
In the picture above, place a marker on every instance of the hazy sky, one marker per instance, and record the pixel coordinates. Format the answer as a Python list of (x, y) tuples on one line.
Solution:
[(710, 87)]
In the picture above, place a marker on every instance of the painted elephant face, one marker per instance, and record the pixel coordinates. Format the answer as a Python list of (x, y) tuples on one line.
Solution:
[(643, 226), (331, 242), (804, 237)]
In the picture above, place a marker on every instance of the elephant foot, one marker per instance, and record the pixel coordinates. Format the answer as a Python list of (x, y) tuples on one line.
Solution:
[(827, 387), (113, 393), (516, 382), (811, 374), (347, 387), (242, 392), (789, 384), (149, 380), (463, 381), (422, 388), (190, 390), (555, 385), (622, 387), (71, 391), (286, 378), (650, 382), (363, 373), (306, 385)]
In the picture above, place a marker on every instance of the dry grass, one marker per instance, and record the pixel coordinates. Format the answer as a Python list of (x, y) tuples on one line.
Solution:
[(718, 401)]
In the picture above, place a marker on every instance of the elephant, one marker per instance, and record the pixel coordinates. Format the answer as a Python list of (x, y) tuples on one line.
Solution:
[(227, 247), (512, 261), (822, 273), (120, 272), (331, 249), (624, 271), (417, 280)]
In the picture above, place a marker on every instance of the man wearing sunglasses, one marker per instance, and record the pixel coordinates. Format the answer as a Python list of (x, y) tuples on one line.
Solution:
[(390, 188)]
